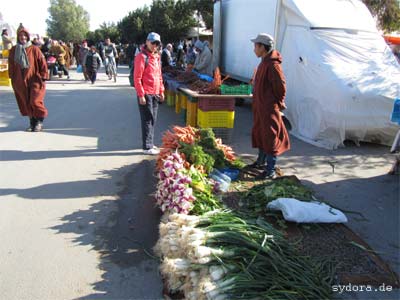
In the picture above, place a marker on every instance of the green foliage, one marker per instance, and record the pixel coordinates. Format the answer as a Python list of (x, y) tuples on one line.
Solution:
[(171, 19), (106, 30), (135, 26), (387, 13), (67, 20), (197, 157), (256, 198), (205, 9), (207, 141)]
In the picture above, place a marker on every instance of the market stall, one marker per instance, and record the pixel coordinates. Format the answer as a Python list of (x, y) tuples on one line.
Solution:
[(205, 103)]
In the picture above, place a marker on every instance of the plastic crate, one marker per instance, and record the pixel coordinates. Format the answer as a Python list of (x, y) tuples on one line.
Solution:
[(170, 98), (183, 99), (224, 119), (191, 113), (5, 82), (5, 53), (396, 111), (177, 103), (4, 74), (209, 104), (243, 89), (183, 115), (225, 134)]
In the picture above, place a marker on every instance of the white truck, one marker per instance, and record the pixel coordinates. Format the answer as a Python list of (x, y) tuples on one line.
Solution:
[(342, 79)]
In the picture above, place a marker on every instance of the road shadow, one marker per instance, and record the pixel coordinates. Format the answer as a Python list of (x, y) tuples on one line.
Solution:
[(19, 155), (123, 232), (110, 115)]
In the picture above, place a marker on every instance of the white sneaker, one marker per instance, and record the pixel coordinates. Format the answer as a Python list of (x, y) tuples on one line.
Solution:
[(156, 148), (151, 151)]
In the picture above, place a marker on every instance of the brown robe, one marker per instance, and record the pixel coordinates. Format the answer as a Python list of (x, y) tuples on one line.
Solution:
[(269, 132), (67, 56), (28, 84)]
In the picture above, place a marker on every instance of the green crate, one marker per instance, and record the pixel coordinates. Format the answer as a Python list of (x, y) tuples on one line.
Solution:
[(243, 89)]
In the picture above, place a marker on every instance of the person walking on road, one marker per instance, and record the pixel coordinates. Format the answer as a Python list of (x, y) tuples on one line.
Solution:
[(59, 52), (110, 54), (7, 42), (92, 63), (82, 52), (149, 88), (27, 69), (269, 134)]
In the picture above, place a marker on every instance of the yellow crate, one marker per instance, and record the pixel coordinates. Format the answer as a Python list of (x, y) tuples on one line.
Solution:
[(170, 95), (5, 82), (191, 113), (4, 75), (209, 119), (177, 103), (183, 100), (5, 53)]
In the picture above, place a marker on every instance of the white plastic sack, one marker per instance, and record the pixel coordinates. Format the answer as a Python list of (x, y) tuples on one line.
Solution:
[(307, 212)]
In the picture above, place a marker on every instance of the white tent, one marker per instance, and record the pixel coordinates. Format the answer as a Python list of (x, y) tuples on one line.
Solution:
[(342, 78)]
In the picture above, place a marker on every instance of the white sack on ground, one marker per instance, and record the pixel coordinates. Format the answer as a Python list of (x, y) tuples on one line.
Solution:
[(294, 210)]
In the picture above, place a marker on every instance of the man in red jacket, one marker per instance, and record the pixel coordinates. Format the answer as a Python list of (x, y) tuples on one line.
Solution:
[(269, 134), (149, 88)]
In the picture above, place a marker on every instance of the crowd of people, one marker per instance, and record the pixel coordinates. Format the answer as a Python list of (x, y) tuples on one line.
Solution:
[(28, 70)]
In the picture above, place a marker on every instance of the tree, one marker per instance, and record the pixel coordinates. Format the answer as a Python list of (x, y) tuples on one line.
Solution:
[(387, 13), (172, 20), (134, 27), (106, 30), (205, 10), (67, 21)]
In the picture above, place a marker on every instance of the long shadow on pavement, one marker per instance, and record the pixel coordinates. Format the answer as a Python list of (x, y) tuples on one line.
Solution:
[(124, 238)]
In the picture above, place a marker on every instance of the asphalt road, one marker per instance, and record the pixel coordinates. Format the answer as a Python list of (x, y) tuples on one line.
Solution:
[(76, 217)]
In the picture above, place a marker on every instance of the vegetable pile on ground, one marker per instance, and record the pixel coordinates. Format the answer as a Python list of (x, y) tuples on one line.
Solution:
[(188, 155), (257, 197), (222, 255), (210, 252)]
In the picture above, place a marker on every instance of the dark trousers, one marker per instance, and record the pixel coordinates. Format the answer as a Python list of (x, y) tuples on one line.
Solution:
[(148, 116), (64, 69), (92, 74), (269, 158)]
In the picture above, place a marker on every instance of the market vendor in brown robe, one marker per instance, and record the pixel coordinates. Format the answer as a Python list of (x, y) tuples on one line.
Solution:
[(28, 71), (269, 134)]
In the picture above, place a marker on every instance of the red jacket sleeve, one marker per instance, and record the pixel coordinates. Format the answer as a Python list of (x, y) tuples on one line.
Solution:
[(138, 74), (161, 81)]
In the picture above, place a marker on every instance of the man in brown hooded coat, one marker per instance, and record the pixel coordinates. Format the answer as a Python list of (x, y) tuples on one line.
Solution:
[(269, 134), (28, 71)]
